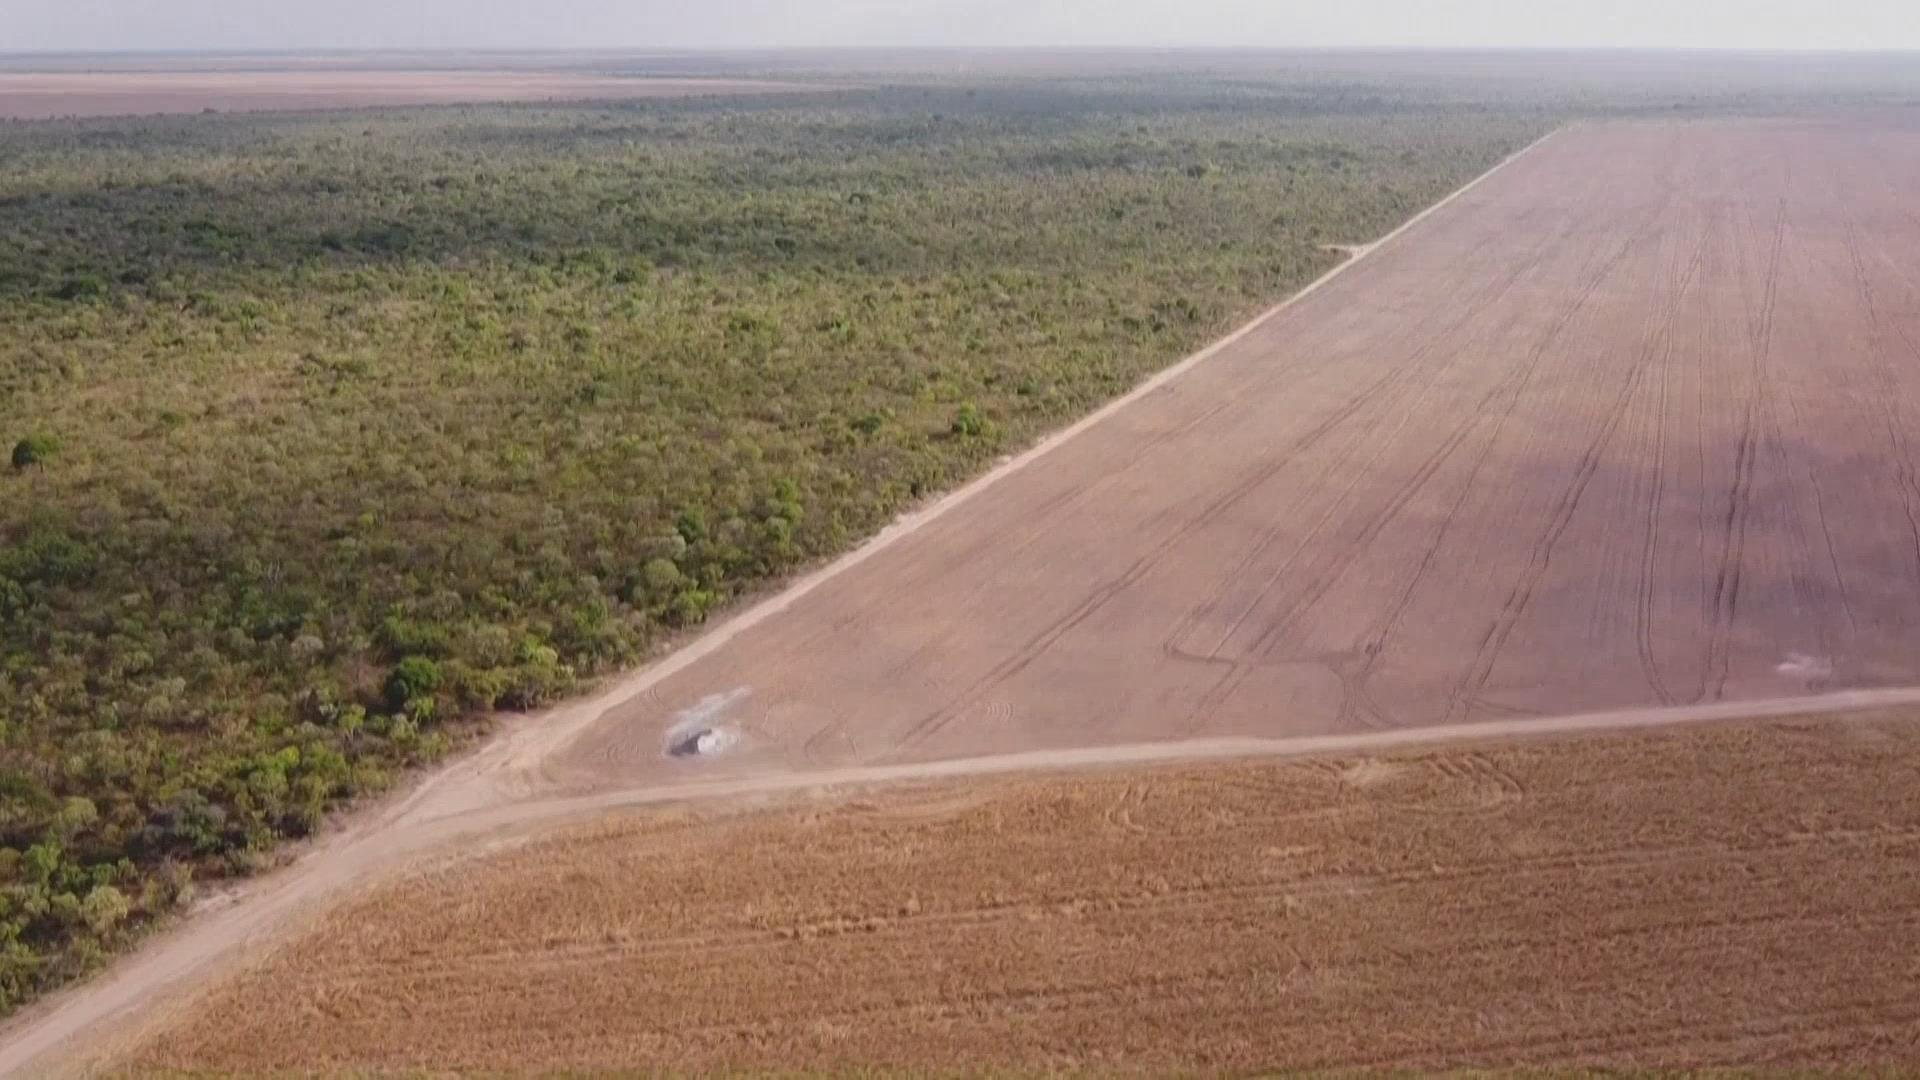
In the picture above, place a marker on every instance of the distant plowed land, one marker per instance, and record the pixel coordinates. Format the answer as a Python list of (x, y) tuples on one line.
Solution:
[(41, 95)]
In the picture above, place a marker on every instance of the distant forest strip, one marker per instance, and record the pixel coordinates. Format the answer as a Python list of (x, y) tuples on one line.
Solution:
[(332, 434)]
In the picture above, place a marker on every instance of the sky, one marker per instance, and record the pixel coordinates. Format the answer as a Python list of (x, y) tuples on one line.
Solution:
[(85, 25)]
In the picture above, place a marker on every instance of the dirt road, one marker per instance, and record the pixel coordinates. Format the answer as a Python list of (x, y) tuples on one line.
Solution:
[(1616, 436)]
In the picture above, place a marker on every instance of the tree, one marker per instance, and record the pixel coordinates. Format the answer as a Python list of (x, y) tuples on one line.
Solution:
[(413, 678)]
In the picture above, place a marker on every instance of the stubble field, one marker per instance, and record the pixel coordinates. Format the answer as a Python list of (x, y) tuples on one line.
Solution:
[(1728, 896)]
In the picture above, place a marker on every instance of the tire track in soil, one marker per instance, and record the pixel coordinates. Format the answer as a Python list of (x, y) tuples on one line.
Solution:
[(1466, 692), (1566, 1048), (1322, 579), (1038, 644), (1726, 587), (1358, 704), (1035, 646), (1471, 312), (1803, 573), (1184, 900), (1039, 520), (1889, 400), (1136, 457), (1347, 554), (1250, 481), (1661, 336)]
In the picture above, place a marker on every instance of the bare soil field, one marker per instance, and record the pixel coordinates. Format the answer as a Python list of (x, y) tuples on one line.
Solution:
[(1725, 896), (1625, 425), (42, 95)]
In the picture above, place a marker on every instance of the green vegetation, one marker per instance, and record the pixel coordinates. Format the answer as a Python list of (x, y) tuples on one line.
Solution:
[(337, 431), (33, 450)]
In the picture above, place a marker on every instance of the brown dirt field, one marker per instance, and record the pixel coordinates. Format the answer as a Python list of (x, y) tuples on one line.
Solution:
[(1626, 425), (39, 96), (1729, 896)]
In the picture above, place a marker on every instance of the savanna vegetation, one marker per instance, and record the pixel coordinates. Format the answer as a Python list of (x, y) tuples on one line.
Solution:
[(331, 434)]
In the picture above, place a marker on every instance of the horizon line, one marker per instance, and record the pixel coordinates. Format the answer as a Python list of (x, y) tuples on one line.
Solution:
[(695, 50)]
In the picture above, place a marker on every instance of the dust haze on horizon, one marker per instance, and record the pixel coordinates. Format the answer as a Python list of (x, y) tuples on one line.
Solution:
[(164, 25)]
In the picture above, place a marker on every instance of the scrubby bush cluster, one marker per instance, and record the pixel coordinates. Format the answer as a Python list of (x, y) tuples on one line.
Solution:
[(334, 432)]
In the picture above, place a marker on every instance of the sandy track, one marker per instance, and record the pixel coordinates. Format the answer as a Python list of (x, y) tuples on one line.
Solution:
[(1586, 442), (38, 96), (1733, 896)]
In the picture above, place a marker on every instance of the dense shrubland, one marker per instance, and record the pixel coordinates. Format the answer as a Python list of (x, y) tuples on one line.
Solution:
[(332, 433)]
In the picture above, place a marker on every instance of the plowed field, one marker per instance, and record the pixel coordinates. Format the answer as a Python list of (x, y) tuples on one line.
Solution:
[(1738, 895), (35, 96), (1628, 424)]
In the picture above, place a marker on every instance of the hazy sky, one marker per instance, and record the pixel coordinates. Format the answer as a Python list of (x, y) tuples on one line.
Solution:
[(408, 24)]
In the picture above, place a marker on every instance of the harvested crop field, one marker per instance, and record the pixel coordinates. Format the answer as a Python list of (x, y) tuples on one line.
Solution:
[(1730, 895), (40, 95), (1625, 425)]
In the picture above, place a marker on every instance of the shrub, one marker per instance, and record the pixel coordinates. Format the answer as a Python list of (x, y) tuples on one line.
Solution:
[(413, 678), (34, 449), (968, 423), (104, 909), (403, 636), (81, 287), (661, 579), (691, 525)]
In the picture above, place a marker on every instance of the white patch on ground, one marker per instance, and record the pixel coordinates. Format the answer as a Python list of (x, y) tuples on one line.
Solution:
[(1802, 666), (715, 741), (698, 731)]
